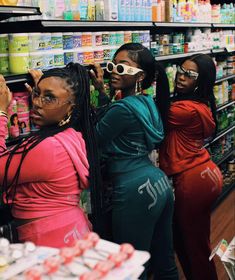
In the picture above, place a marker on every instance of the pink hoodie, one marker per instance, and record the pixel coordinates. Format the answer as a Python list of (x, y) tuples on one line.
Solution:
[(52, 175)]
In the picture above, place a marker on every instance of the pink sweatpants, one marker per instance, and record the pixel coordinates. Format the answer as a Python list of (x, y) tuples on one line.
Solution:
[(56, 231), (195, 192)]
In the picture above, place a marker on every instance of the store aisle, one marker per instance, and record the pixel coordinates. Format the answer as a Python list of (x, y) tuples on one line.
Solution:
[(222, 227)]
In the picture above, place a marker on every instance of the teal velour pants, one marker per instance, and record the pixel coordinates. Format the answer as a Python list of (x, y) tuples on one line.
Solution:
[(143, 207)]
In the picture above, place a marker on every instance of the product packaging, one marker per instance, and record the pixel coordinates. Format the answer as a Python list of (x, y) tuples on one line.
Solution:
[(111, 10), (226, 253)]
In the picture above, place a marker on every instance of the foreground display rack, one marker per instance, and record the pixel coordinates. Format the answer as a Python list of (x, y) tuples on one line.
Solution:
[(90, 258)]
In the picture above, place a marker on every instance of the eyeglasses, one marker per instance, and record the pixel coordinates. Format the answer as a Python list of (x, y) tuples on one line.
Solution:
[(122, 69), (187, 73), (48, 102)]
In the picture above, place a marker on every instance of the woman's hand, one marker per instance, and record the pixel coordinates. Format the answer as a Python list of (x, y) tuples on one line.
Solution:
[(5, 95), (36, 75), (97, 78)]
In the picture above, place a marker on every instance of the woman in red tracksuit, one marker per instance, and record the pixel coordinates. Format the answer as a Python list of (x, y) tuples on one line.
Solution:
[(196, 178)]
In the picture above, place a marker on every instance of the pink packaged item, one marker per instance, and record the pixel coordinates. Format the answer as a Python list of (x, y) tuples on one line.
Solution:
[(24, 125), (13, 123), (22, 99)]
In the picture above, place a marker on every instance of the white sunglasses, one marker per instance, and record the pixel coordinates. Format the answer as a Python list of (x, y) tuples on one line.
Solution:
[(122, 69), (188, 73)]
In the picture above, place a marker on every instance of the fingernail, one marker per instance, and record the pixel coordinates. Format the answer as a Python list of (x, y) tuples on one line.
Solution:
[(27, 85)]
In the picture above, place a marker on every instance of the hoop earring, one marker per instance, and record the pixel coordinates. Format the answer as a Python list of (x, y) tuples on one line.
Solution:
[(138, 88), (195, 89), (65, 121)]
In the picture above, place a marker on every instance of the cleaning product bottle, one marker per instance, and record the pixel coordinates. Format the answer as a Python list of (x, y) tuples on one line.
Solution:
[(99, 10), (75, 9), (91, 10), (83, 9)]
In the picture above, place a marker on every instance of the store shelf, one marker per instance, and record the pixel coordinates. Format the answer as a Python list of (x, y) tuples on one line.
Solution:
[(230, 48), (74, 23), (230, 103), (193, 24), (225, 157), (15, 11), (180, 55), (225, 78), (20, 78), (181, 24), (184, 55), (220, 134), (223, 25), (220, 50), (225, 191), (36, 25)]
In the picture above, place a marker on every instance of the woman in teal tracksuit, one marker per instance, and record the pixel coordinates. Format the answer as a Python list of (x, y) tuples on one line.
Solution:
[(128, 132)]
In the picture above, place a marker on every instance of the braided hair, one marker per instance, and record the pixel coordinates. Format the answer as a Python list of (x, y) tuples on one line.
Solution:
[(153, 71), (77, 78)]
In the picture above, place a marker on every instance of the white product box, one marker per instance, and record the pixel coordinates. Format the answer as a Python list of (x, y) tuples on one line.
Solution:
[(111, 10)]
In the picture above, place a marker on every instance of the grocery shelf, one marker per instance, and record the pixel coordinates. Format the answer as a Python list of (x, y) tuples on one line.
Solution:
[(19, 78), (180, 55), (230, 49), (11, 78), (225, 191), (219, 50), (225, 157), (15, 11), (220, 134), (223, 25), (181, 24), (228, 104), (40, 25), (225, 78), (74, 23)]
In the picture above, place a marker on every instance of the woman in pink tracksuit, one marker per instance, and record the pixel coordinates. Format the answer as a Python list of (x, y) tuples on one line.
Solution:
[(42, 177)]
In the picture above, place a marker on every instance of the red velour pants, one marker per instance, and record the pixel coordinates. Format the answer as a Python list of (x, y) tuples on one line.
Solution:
[(195, 192)]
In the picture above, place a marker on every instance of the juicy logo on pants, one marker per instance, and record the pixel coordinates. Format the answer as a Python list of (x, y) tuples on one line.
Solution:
[(214, 175), (159, 187)]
